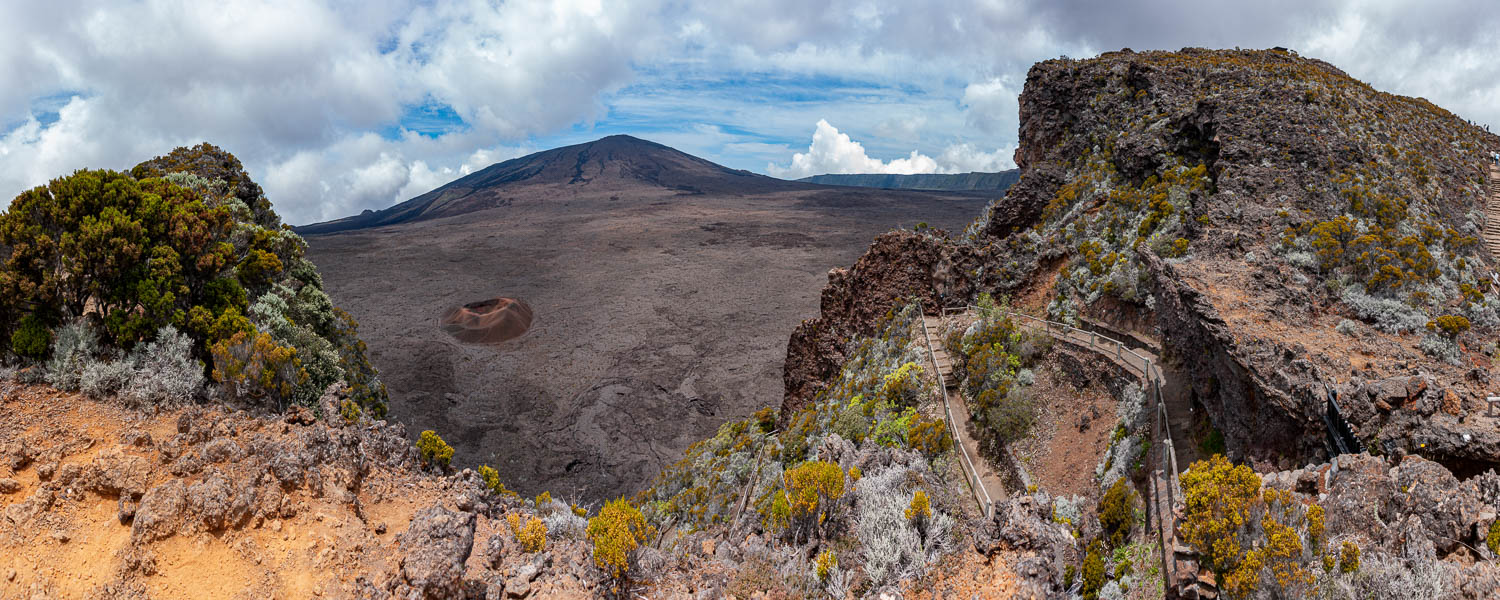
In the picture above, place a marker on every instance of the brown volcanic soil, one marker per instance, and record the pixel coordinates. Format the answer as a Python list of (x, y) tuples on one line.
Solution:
[(660, 314), (487, 321)]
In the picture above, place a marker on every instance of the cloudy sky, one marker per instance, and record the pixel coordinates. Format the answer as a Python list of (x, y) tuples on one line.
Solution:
[(336, 107)]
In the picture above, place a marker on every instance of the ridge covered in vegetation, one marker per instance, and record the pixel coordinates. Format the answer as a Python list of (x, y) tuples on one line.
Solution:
[(153, 281)]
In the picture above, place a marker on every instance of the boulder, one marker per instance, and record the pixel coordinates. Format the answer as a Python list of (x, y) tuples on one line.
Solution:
[(434, 548)]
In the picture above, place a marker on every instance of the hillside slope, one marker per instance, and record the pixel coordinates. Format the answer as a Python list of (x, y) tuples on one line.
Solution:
[(1285, 229), (617, 163), (976, 182)]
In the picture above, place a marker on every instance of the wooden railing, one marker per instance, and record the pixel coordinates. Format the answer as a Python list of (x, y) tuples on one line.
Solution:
[(1163, 457), (976, 485)]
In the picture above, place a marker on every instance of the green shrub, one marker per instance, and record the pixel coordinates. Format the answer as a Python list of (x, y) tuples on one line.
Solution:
[(1093, 570), (433, 450), (1117, 512), (1492, 541), (185, 240), (31, 338), (1349, 557), (825, 565)]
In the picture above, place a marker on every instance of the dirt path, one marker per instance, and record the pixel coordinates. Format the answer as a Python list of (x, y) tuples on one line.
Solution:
[(990, 488)]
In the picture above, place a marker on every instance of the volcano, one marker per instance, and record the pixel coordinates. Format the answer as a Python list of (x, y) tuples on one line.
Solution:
[(659, 290), (618, 163)]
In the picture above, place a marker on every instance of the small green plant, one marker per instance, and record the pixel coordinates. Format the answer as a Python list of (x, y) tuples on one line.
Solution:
[(532, 534), (825, 564), (1493, 539), (1093, 571), (31, 338), (349, 410), (1451, 326), (1117, 511), (919, 513), (433, 450)]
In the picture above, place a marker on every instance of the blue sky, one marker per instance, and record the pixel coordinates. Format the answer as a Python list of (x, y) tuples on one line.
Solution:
[(336, 107)]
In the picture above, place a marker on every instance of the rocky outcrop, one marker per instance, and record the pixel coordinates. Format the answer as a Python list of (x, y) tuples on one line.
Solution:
[(1025, 524), (436, 545), (899, 266)]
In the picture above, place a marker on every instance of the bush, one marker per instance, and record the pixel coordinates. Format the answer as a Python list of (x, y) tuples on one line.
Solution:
[(532, 535), (165, 370), (812, 490), (254, 367), (825, 564), (617, 533), (919, 513), (433, 450), (31, 338), (928, 436), (73, 350), (890, 546), (1117, 512), (1093, 570), (566, 524), (105, 378), (1348, 557), (1451, 326), (1219, 497)]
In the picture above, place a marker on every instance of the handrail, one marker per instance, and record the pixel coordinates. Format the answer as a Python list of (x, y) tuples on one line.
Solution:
[(981, 495), (1151, 375)]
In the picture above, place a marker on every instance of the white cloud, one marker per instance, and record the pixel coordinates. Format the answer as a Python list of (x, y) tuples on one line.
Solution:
[(299, 88), (835, 152), (991, 106)]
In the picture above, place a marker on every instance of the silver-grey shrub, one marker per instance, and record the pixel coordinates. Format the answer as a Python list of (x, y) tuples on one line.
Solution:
[(105, 378), (891, 547), (73, 350), (165, 370)]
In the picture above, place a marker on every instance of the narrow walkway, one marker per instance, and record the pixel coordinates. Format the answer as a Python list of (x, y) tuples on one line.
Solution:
[(1492, 215), (1134, 361), (988, 487)]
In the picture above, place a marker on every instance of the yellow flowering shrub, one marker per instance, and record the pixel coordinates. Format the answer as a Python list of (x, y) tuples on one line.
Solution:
[(617, 533)]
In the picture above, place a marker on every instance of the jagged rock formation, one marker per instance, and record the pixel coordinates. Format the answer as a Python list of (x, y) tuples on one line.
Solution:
[(1289, 231)]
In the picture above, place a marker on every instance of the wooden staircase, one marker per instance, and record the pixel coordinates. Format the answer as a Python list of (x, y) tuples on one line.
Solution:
[(934, 326), (1492, 215)]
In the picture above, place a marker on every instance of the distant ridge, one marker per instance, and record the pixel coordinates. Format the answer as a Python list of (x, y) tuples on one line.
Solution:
[(958, 182), (614, 163)]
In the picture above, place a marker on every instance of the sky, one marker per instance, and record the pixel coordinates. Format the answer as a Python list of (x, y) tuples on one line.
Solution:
[(338, 107)]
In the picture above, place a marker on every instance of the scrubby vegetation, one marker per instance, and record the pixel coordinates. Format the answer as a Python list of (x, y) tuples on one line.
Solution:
[(616, 534), (434, 451), (993, 359), (180, 265), (858, 471)]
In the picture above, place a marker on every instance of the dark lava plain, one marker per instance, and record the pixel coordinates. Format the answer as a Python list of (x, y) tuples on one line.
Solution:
[(658, 315)]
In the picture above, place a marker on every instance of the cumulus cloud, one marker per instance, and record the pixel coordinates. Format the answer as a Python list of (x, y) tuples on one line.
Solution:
[(299, 90), (312, 95), (833, 151)]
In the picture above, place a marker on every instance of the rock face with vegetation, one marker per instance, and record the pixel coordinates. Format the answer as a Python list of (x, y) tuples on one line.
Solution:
[(1287, 231)]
